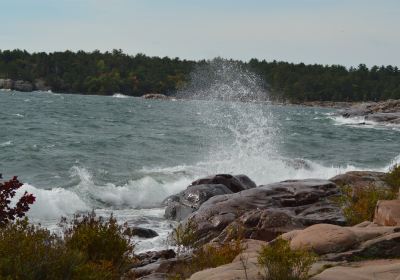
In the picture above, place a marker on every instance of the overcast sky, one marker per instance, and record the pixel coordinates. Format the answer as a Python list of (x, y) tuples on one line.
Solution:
[(345, 32)]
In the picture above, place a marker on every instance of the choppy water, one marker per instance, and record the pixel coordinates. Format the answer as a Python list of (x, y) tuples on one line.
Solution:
[(125, 155)]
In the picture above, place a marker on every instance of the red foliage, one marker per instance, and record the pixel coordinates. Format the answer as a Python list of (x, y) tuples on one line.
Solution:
[(7, 192)]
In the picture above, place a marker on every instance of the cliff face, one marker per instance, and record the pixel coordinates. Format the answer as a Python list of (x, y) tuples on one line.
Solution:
[(24, 86)]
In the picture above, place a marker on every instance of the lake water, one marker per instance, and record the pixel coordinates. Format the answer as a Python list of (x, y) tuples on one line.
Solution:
[(124, 155)]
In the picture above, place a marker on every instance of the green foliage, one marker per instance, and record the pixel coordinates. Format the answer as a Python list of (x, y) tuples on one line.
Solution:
[(92, 248), (110, 72), (280, 262), (359, 204), (202, 257), (99, 241), (184, 237), (393, 177)]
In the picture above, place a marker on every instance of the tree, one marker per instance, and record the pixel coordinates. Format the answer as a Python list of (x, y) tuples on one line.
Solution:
[(9, 213)]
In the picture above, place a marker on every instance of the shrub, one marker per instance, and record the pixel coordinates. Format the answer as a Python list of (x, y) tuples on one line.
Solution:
[(102, 242), (184, 237), (92, 248), (359, 204), (280, 262), (393, 177), (210, 255), (29, 252), (7, 192)]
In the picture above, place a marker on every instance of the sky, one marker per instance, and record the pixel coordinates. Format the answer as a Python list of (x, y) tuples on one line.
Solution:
[(346, 32)]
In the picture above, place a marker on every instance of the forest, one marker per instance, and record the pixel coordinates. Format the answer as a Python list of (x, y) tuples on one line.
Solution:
[(116, 72)]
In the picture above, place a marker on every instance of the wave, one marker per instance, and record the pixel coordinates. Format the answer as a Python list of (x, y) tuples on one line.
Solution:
[(120, 95), (6, 143), (361, 122)]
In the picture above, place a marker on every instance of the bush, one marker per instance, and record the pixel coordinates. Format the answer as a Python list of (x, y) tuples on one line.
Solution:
[(280, 262), (92, 248), (184, 237), (210, 255), (101, 241), (359, 204), (7, 192), (393, 177)]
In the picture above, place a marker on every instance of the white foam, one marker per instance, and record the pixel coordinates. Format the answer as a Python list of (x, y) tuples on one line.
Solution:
[(5, 144), (52, 204), (120, 95), (361, 122)]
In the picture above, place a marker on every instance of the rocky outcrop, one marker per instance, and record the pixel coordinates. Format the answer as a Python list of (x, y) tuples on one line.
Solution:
[(366, 270), (335, 243), (387, 213), (6, 84), (155, 96), (361, 179), (183, 204), (385, 111), (24, 86), (288, 205)]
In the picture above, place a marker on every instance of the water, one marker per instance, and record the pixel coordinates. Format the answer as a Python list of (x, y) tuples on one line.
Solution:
[(125, 155)]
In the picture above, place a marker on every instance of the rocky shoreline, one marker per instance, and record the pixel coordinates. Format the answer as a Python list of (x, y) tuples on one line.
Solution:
[(303, 212), (24, 86), (387, 112)]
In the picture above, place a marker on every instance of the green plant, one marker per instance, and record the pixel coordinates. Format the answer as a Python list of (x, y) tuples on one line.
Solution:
[(280, 262), (91, 248), (359, 204), (102, 242), (393, 177), (184, 237)]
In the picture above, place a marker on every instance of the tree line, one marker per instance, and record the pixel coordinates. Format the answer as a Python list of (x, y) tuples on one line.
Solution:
[(116, 72)]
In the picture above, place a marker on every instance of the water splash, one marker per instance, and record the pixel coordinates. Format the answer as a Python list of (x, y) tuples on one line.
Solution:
[(232, 95)]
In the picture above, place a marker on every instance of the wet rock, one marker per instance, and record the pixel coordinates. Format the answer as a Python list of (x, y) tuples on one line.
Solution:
[(142, 232), (186, 202), (235, 183), (300, 202), (387, 213), (41, 85)]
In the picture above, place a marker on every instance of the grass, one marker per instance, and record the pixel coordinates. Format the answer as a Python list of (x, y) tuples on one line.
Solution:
[(280, 262)]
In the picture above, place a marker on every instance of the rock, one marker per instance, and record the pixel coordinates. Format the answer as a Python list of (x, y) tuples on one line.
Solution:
[(142, 232), (155, 96), (324, 239), (367, 270), (6, 84), (23, 86), (385, 111), (235, 183), (183, 204), (387, 213), (235, 270), (40, 84), (153, 256), (360, 179), (305, 202)]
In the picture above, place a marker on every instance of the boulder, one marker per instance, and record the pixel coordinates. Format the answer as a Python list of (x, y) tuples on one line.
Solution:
[(302, 202), (323, 239), (21, 85), (387, 213), (183, 204), (40, 84), (142, 232)]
